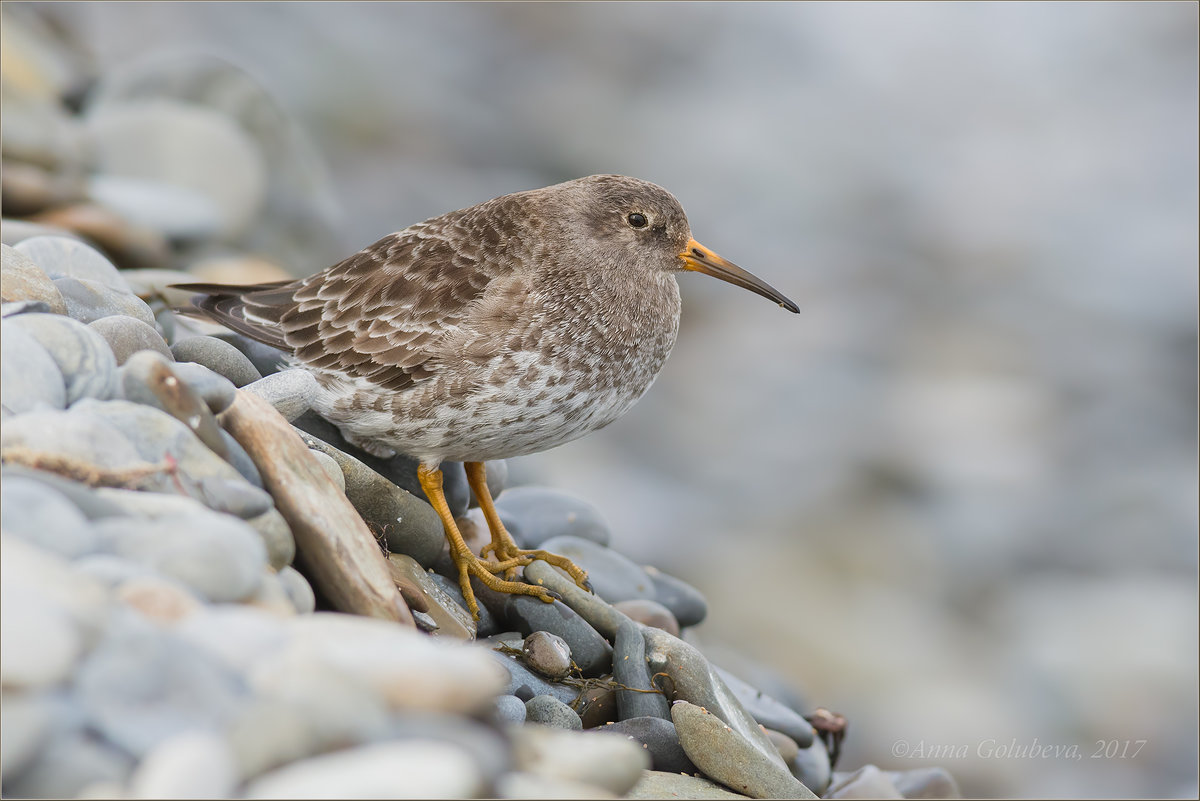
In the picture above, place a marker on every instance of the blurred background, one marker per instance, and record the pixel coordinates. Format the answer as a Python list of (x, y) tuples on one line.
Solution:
[(955, 499)]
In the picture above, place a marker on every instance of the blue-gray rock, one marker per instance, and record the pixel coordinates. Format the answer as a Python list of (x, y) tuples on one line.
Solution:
[(217, 391), (726, 756), (548, 654), (263, 358), (660, 740), (236, 455), (54, 435), (591, 652), (149, 378), (685, 601), (88, 301), (29, 375), (218, 556), (39, 514), (630, 669), (61, 257), (127, 335), (289, 391), (298, 590), (599, 614), (509, 709), (22, 280), (811, 766), (523, 682), (67, 764), (219, 356), (235, 497), (141, 685), (539, 513), (277, 539), (768, 711), (86, 499), (549, 711), (407, 524), (87, 364), (614, 577)]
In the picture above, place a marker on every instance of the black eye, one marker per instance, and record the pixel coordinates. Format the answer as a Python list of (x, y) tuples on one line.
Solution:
[(637, 220)]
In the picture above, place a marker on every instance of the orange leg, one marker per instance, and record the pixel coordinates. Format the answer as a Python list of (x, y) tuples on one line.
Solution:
[(502, 545), (468, 563)]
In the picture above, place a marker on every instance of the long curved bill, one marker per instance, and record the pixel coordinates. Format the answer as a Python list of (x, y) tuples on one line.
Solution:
[(702, 260)]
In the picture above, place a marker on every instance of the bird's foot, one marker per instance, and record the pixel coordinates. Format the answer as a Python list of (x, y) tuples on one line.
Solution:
[(509, 557), (488, 571)]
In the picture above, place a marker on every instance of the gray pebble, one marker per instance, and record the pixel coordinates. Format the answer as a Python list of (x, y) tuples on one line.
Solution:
[(91, 300), (61, 257), (768, 711), (298, 590), (29, 375), (509, 709), (548, 654), (235, 497), (631, 670), (24, 307), (66, 435), (86, 499), (811, 766), (540, 513), (600, 615), (21, 279), (661, 784), (217, 391), (660, 740), (127, 335), (41, 515), (614, 577), (487, 624), (87, 364), (549, 711), (331, 469), (236, 455), (685, 601), (149, 378), (651, 613), (289, 391), (523, 682), (591, 652), (263, 358), (218, 356)]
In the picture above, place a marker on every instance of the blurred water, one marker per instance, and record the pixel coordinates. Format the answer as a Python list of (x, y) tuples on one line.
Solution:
[(956, 498)]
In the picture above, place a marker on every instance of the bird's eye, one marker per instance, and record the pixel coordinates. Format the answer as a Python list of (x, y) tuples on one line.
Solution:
[(637, 220)]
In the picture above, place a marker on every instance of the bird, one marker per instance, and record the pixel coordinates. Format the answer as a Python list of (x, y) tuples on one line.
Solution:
[(499, 330)]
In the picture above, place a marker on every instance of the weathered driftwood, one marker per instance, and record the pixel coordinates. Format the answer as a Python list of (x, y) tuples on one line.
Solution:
[(338, 550)]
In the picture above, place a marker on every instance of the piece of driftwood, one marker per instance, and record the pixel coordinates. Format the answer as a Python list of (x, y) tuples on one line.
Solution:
[(338, 550)]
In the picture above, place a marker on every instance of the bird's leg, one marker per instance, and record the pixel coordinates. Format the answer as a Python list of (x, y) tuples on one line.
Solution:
[(502, 545), (468, 563)]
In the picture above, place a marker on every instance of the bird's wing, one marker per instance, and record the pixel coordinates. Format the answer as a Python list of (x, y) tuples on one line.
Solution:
[(377, 315)]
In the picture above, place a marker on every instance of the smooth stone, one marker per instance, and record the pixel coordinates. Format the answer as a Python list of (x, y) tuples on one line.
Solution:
[(127, 335), (614, 577), (650, 613), (486, 745), (263, 358), (609, 761), (65, 257), (289, 391), (662, 784), (128, 245), (811, 766), (112, 571), (402, 769), (729, 758), (685, 601), (694, 680), (519, 784), (219, 557), (190, 148), (87, 364), (330, 468), (410, 670), (277, 538), (26, 719), (768, 711), (24, 307), (29, 375), (599, 614), (548, 654), (158, 598), (238, 636), (67, 765), (14, 231), (509, 709), (597, 706), (451, 619), (487, 624), (523, 682), (235, 497), (82, 496), (43, 516), (540, 513), (298, 590), (236, 455), (549, 711), (786, 746), (149, 378), (176, 212), (189, 765), (591, 652), (141, 685), (930, 782), (659, 739), (88, 301), (217, 391), (630, 669), (272, 597), (219, 356), (866, 782), (22, 279), (407, 524)]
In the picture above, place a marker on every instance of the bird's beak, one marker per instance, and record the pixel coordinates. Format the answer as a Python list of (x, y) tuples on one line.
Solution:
[(699, 258)]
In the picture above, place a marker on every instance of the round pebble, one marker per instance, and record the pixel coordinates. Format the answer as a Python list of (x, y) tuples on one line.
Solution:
[(299, 591), (87, 364), (22, 279), (217, 391), (614, 577), (686, 602), (218, 356), (651, 613), (599, 758), (88, 301), (549, 711), (540, 513), (29, 375), (42, 516), (190, 765), (658, 737), (289, 391), (591, 652), (64, 257), (509, 709), (127, 335), (631, 670), (548, 654)]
